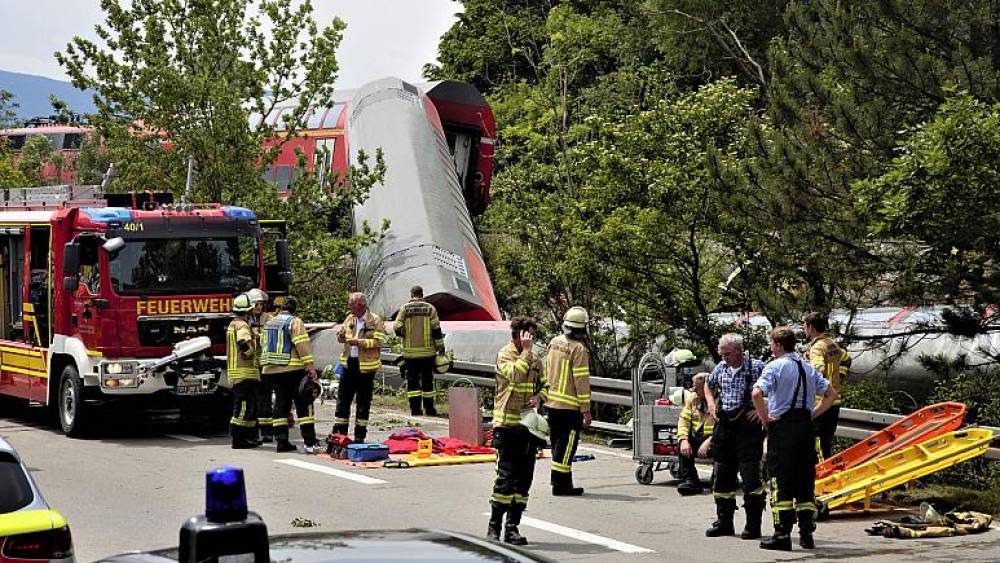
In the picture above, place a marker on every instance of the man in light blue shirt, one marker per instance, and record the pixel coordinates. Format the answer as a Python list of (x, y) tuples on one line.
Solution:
[(791, 385)]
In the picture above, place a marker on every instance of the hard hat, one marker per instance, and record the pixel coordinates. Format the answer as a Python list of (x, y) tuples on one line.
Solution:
[(536, 424), (576, 317), (242, 304), (680, 397), (309, 390), (443, 363), (681, 356), (257, 296)]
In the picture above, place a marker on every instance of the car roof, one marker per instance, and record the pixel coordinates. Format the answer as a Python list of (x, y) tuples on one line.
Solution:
[(374, 545), (6, 447)]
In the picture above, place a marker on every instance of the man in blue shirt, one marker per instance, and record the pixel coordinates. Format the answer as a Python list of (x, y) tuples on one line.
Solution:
[(791, 385), (737, 438)]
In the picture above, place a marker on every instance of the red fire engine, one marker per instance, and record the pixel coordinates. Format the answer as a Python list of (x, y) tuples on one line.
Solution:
[(123, 298)]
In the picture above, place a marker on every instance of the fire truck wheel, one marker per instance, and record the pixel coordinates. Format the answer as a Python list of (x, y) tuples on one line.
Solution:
[(73, 414)]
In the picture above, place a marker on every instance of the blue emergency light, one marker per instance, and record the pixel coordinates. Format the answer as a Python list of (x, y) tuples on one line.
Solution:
[(227, 529), (225, 494)]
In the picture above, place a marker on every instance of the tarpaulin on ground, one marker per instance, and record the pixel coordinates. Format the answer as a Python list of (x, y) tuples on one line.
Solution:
[(930, 524)]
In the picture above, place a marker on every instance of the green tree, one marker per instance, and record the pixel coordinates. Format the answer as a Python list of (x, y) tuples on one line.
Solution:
[(8, 109), (36, 153), (177, 79)]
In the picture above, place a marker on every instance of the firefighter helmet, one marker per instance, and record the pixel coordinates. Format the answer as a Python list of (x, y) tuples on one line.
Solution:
[(443, 363), (257, 296), (576, 317), (536, 424), (242, 303), (681, 356)]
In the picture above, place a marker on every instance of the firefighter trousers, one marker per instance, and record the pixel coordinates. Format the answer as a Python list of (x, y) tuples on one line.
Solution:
[(420, 385), (516, 452), (265, 406), (826, 428), (689, 472), (564, 432), (791, 464), (354, 384), (737, 447), (286, 387), (243, 424)]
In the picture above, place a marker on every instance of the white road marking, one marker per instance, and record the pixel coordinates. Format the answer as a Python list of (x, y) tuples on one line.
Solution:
[(330, 471), (185, 438), (581, 535)]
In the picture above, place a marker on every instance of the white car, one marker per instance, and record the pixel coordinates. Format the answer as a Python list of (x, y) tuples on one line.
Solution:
[(30, 531)]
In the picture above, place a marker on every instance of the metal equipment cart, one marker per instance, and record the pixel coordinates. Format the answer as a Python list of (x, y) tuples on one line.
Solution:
[(654, 426)]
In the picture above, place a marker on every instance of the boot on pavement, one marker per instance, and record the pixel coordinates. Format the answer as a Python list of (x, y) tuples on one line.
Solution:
[(777, 542), (510, 533), (754, 509), (725, 508), (496, 522)]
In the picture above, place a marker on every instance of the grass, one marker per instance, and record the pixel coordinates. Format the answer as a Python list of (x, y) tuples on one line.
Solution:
[(950, 497)]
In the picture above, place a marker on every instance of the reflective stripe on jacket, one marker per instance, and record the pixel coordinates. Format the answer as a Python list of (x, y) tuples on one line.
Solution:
[(371, 339), (567, 371), (518, 379), (830, 360), (286, 345), (417, 324), (695, 419), (241, 365)]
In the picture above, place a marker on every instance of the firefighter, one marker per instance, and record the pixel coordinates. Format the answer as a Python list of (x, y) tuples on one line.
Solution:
[(418, 326), (834, 363), (521, 386), (287, 358), (567, 372), (694, 430), (737, 439), (243, 373), (265, 391), (790, 384), (362, 335)]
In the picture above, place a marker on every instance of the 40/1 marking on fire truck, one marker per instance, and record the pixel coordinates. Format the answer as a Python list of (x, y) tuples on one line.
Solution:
[(132, 227), (183, 306)]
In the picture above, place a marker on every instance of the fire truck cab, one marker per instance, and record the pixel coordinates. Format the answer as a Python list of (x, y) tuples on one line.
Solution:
[(122, 299)]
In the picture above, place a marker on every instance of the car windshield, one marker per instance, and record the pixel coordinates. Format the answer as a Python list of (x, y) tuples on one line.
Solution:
[(175, 266), (15, 492)]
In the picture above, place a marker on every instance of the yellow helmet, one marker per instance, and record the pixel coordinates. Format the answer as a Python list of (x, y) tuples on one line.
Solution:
[(443, 363), (576, 317), (242, 304)]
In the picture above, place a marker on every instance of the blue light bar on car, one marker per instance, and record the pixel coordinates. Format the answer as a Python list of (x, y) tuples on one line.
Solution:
[(108, 214), (225, 495), (238, 212)]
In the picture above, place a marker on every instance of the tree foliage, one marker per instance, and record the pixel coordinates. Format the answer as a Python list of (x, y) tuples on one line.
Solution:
[(8, 109)]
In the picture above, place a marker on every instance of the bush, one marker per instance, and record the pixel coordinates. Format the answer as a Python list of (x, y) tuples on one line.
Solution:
[(869, 395)]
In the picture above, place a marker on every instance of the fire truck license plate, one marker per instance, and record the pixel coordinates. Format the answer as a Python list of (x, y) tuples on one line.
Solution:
[(196, 387)]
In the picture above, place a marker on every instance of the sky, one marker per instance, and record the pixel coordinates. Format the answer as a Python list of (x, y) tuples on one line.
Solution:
[(383, 37)]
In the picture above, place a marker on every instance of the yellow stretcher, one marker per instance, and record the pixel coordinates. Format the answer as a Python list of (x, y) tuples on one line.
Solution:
[(861, 483), (414, 461)]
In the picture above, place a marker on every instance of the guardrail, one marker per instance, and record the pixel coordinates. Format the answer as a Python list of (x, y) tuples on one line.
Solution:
[(855, 424)]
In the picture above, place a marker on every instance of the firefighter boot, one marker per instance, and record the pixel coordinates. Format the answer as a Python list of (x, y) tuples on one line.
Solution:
[(429, 409), (510, 533), (415, 407), (725, 508), (360, 433), (562, 485), (754, 508), (807, 525), (496, 522), (281, 440), (781, 540)]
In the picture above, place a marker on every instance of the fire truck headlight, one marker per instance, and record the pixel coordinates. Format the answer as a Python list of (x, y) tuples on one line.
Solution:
[(120, 368), (113, 383)]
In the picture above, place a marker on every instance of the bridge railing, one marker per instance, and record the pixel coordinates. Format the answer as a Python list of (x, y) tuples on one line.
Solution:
[(855, 424)]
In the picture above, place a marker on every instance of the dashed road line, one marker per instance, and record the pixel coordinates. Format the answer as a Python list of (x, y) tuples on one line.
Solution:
[(186, 438), (582, 536), (331, 471)]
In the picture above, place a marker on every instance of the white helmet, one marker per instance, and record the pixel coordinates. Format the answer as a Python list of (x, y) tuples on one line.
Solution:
[(536, 424), (576, 317), (257, 296)]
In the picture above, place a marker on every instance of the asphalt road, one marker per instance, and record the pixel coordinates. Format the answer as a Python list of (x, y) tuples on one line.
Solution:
[(132, 489)]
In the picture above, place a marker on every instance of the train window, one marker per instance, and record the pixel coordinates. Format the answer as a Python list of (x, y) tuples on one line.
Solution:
[(55, 140), (269, 174), (16, 142), (332, 116), (315, 119), (283, 177), (72, 141)]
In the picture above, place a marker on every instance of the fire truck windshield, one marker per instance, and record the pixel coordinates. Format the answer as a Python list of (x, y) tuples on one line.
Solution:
[(185, 266)]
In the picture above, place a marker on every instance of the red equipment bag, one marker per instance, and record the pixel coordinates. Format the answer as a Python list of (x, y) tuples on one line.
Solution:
[(336, 445)]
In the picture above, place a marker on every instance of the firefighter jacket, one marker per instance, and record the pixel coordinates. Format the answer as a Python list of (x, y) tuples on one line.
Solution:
[(241, 361), (418, 325), (257, 326), (370, 341), (518, 379), (567, 370), (285, 345), (695, 420), (830, 360)]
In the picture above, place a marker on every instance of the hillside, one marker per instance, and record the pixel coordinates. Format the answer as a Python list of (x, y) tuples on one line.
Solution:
[(32, 93)]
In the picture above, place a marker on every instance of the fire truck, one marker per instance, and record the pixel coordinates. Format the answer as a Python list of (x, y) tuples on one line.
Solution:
[(124, 299)]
